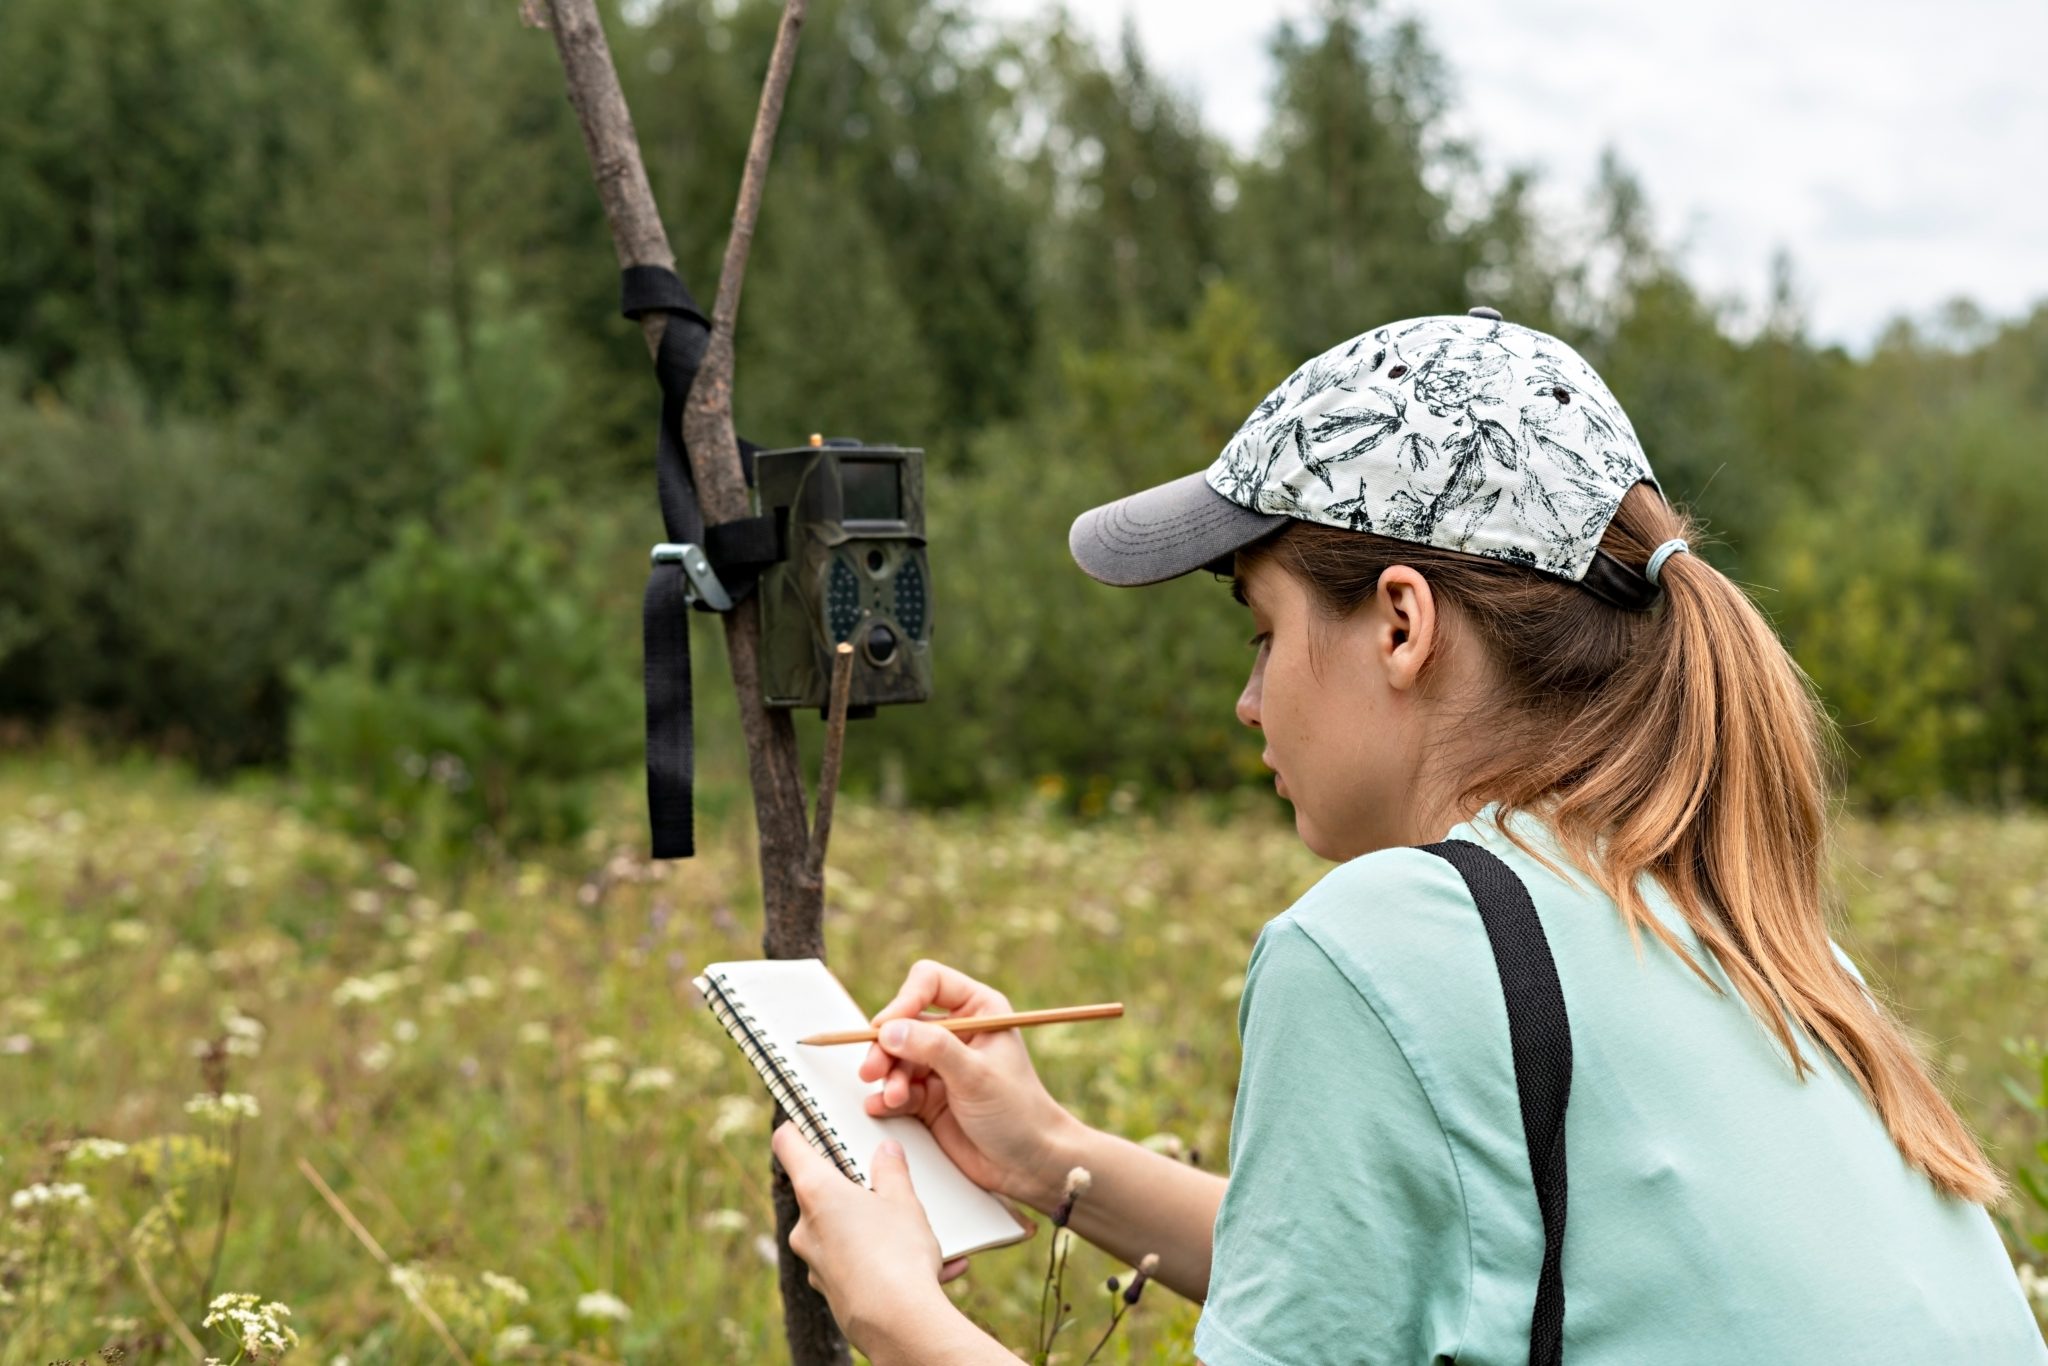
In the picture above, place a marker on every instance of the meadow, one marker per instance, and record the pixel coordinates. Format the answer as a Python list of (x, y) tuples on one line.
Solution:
[(505, 1078)]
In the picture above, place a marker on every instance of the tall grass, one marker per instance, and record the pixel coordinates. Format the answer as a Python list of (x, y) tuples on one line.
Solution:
[(510, 1088)]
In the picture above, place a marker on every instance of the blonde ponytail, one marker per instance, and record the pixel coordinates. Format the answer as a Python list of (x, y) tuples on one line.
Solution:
[(1684, 742)]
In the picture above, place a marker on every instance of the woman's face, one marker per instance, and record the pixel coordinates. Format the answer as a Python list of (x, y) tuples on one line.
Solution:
[(1345, 729)]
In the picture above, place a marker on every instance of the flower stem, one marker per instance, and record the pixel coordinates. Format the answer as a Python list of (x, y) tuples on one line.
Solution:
[(1114, 1319)]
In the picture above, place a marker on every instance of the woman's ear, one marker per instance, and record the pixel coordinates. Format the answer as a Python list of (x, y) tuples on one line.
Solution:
[(1407, 630)]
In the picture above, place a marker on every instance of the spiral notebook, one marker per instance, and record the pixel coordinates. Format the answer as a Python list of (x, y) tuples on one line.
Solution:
[(767, 1005)]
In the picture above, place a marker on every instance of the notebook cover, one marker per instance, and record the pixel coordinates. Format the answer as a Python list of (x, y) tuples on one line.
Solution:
[(790, 998)]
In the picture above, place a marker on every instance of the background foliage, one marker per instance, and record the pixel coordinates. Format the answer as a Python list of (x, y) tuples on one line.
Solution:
[(285, 287)]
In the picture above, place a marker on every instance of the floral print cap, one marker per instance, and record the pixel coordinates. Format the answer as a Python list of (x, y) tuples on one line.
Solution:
[(1468, 433)]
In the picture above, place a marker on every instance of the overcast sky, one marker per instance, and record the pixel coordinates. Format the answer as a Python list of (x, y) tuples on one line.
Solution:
[(1898, 150)]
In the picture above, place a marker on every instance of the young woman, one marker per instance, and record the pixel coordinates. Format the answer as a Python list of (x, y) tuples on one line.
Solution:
[(1476, 619)]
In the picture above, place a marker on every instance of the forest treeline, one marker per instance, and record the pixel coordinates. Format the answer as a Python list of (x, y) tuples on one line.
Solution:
[(323, 441)]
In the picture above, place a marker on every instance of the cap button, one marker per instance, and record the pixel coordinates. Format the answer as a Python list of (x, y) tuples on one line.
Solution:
[(1492, 314)]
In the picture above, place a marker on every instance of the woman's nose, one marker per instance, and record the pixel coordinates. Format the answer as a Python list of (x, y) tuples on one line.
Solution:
[(1248, 701)]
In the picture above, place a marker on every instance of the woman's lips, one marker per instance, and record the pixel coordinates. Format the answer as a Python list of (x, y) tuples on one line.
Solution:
[(1279, 783)]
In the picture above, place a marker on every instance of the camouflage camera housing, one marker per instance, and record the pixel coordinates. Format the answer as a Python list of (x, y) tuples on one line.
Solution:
[(855, 571)]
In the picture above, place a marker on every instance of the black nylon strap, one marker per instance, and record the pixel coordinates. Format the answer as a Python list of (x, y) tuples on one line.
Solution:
[(665, 638), (738, 551), (1540, 1037)]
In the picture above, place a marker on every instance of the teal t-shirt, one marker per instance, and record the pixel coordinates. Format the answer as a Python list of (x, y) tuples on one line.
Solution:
[(1380, 1207)]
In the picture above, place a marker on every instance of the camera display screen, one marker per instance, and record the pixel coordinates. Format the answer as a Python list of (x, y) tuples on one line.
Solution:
[(872, 490)]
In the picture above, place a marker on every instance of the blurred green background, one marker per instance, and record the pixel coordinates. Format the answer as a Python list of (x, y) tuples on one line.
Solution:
[(325, 496), (309, 352)]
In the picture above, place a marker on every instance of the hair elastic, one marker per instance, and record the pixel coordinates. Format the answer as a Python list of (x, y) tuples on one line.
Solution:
[(1661, 554)]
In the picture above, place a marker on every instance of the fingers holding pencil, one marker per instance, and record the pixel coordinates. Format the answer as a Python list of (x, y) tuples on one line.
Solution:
[(976, 1093), (928, 984)]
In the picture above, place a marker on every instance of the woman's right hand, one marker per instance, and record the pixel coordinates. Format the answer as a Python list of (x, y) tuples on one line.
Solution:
[(978, 1094)]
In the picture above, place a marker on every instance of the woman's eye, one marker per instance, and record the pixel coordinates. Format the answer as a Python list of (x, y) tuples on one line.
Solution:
[(1260, 639)]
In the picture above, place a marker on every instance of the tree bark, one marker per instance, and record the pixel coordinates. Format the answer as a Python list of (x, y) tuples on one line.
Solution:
[(792, 898)]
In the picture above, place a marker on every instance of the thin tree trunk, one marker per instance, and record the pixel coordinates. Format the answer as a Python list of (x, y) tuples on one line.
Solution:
[(793, 900)]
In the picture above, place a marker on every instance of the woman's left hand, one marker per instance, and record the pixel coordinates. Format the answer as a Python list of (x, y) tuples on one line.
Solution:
[(871, 1253)]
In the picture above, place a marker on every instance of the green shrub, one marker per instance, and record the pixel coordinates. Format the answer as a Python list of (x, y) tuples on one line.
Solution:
[(481, 689), (160, 569)]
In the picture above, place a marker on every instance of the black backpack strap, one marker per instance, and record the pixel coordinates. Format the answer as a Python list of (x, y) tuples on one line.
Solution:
[(1540, 1035)]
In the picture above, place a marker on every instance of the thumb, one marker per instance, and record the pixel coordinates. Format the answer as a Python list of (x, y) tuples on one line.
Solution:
[(939, 1049), (889, 1172)]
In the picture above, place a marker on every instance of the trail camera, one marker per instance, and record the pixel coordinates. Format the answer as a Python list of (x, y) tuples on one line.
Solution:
[(855, 571)]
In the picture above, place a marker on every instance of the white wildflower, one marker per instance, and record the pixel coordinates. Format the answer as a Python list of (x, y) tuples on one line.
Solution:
[(129, 932), (2034, 1285), (458, 922), (722, 1221), (536, 1033), (93, 1152), (514, 1338), (410, 1280), (260, 1328), (603, 1048), (1168, 1144), (602, 1304), (405, 1031), (603, 1073), (400, 876), (243, 1035), (528, 978), (365, 902), (505, 1288), (367, 990), (61, 1193), (735, 1115), (226, 1109), (650, 1079), (377, 1056)]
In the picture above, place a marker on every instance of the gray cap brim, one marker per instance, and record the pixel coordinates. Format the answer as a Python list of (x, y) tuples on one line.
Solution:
[(1161, 533)]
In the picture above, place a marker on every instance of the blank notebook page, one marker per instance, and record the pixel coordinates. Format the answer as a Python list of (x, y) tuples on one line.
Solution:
[(781, 1001)]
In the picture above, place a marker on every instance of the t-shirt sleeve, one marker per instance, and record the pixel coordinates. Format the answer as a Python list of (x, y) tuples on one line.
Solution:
[(1342, 1234)]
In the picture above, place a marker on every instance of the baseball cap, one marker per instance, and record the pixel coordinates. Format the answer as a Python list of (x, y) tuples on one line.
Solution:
[(1467, 432)]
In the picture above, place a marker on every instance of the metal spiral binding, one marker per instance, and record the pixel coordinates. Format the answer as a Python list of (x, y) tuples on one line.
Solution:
[(791, 1094)]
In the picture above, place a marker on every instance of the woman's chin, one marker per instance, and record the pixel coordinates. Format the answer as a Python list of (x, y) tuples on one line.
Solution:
[(1311, 836)]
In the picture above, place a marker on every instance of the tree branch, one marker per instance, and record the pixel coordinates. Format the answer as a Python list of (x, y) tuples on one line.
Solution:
[(792, 896)]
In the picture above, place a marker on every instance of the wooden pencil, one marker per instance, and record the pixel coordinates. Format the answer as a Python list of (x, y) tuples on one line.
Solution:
[(976, 1024)]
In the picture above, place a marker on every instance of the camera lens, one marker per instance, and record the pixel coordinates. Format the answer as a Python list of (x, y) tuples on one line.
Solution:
[(881, 647), (875, 561)]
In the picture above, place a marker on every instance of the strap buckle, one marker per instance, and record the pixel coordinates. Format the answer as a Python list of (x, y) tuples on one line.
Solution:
[(701, 582)]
